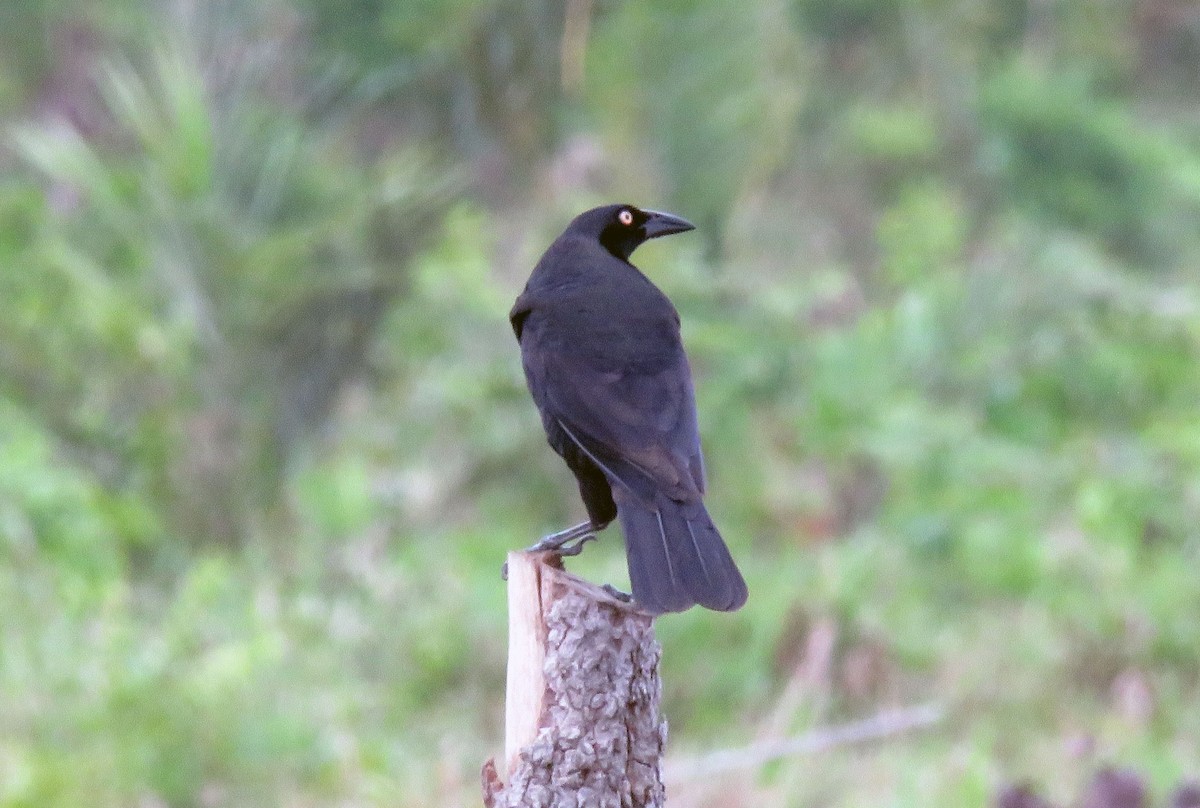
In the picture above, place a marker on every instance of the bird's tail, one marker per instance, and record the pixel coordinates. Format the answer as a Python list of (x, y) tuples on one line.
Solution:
[(677, 558)]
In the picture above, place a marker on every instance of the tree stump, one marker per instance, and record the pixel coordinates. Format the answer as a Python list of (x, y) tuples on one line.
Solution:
[(582, 720)]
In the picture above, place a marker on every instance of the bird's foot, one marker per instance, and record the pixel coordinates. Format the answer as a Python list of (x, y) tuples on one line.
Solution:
[(575, 549), (564, 543), (561, 542), (624, 597)]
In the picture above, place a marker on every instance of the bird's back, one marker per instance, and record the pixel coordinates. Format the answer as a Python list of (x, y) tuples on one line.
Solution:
[(583, 301)]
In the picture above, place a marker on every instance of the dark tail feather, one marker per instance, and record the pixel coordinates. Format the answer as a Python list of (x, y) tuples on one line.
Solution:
[(677, 558)]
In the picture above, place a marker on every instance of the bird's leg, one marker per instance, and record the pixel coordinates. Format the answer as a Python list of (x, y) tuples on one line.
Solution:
[(560, 542)]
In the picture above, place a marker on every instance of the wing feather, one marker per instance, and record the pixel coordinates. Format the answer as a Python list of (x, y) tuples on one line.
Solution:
[(638, 423)]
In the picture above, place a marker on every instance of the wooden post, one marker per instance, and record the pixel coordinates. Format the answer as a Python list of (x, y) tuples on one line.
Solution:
[(582, 721)]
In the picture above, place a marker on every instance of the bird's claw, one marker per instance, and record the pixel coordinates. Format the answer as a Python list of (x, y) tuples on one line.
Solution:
[(567, 550), (624, 597), (561, 542), (568, 542)]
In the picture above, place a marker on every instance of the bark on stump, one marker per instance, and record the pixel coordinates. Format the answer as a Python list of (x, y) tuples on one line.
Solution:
[(583, 726)]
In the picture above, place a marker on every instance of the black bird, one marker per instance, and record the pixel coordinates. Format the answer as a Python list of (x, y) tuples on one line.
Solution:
[(603, 359)]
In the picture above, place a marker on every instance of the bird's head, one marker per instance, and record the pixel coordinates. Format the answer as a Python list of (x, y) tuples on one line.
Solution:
[(623, 228)]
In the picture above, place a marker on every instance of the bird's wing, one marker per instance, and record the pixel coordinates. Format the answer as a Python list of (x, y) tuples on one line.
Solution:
[(636, 421), (516, 317)]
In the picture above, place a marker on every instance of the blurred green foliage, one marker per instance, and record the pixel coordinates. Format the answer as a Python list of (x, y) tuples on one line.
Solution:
[(264, 439)]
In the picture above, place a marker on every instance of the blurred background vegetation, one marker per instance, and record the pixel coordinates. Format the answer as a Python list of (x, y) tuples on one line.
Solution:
[(264, 438)]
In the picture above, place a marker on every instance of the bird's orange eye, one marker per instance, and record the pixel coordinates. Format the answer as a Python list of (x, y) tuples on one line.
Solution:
[(625, 217)]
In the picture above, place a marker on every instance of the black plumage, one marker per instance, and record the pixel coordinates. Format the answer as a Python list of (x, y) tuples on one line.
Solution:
[(605, 365)]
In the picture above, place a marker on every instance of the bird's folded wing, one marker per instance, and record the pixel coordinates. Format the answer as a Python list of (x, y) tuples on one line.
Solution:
[(637, 423)]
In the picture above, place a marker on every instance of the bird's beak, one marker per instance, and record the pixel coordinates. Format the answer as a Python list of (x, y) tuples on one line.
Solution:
[(664, 224)]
